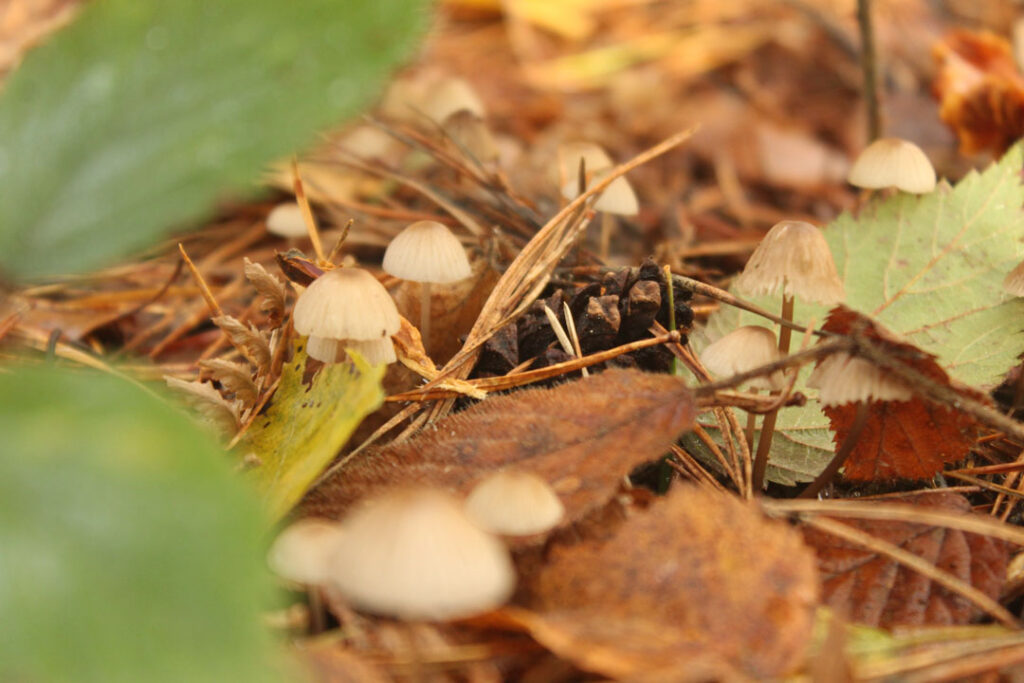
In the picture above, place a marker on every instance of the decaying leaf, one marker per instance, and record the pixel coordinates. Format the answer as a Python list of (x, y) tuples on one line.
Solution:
[(876, 590), (901, 439), (208, 402), (305, 426), (698, 572), (234, 377), (250, 342), (582, 437), (271, 289), (980, 91)]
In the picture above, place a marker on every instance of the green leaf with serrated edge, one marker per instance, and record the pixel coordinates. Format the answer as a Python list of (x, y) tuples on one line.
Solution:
[(142, 113), (931, 269), (306, 425), (129, 549)]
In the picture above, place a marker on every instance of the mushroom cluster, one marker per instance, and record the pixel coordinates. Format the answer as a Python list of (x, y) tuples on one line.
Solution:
[(419, 553)]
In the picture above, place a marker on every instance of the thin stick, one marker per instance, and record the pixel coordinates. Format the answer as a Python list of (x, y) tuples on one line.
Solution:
[(570, 325), (828, 474), (607, 225), (712, 292), (868, 67), (307, 213), (211, 303), (917, 563)]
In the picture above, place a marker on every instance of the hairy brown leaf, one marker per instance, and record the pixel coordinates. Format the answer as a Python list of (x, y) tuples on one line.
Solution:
[(702, 569), (249, 341), (208, 402), (271, 289), (901, 439), (582, 437), (874, 589), (235, 378)]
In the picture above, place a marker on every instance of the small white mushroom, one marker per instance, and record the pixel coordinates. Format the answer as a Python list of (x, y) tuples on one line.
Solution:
[(514, 503), (892, 162)]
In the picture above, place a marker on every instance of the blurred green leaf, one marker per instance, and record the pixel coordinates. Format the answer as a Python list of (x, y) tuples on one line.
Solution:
[(930, 268), (141, 113), (306, 425), (129, 551)]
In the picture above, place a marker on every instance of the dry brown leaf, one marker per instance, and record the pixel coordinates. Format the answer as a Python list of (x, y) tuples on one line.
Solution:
[(248, 340), (208, 402), (901, 439), (582, 437), (271, 289), (697, 572), (874, 589), (235, 378), (980, 90)]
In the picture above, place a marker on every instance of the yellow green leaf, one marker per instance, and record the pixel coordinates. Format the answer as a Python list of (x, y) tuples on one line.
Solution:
[(307, 424)]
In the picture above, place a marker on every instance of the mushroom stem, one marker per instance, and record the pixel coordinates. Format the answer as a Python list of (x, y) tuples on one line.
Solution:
[(607, 225), (317, 611), (425, 315), (764, 444), (829, 473), (751, 422)]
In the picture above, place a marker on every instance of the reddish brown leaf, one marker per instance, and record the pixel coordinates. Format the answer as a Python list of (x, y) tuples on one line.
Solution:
[(901, 439), (876, 590), (702, 570), (980, 90), (582, 437)]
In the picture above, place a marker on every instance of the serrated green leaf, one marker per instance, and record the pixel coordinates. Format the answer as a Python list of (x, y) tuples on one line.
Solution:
[(141, 113), (129, 551), (306, 425), (929, 268)]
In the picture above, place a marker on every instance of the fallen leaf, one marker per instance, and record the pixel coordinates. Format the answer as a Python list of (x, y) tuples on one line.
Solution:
[(980, 91), (582, 437), (873, 589), (249, 341), (306, 426), (207, 401), (271, 289), (697, 572), (901, 439)]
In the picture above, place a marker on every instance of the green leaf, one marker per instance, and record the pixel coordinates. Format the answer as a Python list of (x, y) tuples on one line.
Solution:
[(129, 551), (930, 268), (141, 113), (306, 426)]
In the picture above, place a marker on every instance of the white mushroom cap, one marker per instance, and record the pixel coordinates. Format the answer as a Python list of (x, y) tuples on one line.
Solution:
[(303, 551), (514, 503), (743, 349), (285, 220), (793, 258), (618, 198), (1013, 283), (449, 96), (346, 303), (427, 251), (842, 378), (892, 162), (414, 554)]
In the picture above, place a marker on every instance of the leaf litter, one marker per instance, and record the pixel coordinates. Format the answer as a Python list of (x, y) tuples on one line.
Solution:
[(703, 207)]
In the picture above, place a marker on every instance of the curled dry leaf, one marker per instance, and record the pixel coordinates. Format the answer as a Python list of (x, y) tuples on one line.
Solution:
[(980, 90), (582, 437), (874, 589), (234, 377), (901, 439), (271, 289), (208, 402), (699, 573), (249, 341)]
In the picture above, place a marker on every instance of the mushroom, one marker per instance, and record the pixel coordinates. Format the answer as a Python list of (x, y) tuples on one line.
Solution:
[(617, 199), (413, 554), (347, 308), (514, 503), (451, 94), (286, 220), (892, 162), (470, 133), (301, 554), (842, 378), (743, 349), (428, 253), (793, 259)]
